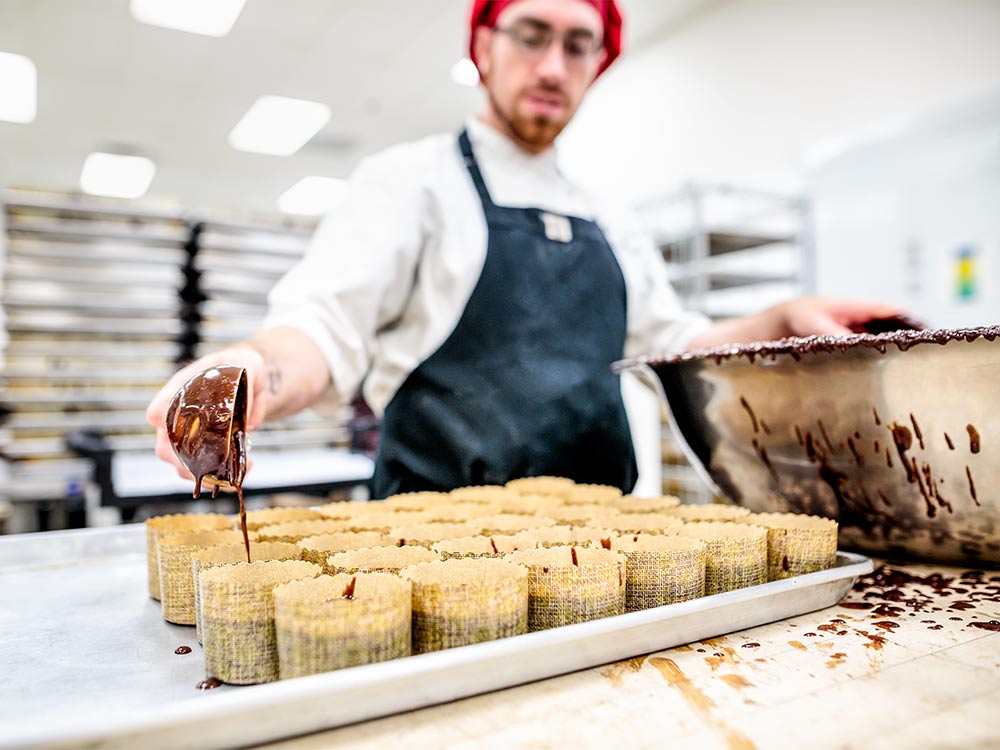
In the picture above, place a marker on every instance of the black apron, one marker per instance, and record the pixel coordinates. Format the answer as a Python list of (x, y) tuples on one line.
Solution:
[(523, 385)]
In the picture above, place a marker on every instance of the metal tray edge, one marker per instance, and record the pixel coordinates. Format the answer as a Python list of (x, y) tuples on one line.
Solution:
[(264, 713)]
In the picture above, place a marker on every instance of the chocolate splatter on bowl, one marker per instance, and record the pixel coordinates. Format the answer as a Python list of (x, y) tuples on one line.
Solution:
[(892, 434)]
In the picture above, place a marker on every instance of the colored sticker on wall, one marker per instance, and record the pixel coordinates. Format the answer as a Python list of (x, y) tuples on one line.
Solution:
[(966, 277)]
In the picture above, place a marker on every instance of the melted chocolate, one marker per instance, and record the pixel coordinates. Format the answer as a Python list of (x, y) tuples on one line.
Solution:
[(349, 589), (210, 684), (181, 650), (973, 438), (206, 425), (972, 486), (572, 553), (799, 347), (750, 645), (947, 439), (753, 417), (991, 625)]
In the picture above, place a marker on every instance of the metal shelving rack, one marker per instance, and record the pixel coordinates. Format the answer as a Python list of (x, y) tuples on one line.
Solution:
[(102, 300), (91, 327), (729, 251)]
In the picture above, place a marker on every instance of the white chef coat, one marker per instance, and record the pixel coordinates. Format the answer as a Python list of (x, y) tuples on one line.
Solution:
[(389, 270)]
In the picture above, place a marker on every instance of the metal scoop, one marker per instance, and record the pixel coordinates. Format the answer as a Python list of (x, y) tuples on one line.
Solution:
[(206, 425)]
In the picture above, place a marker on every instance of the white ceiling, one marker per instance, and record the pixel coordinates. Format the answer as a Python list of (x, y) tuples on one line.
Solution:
[(108, 82)]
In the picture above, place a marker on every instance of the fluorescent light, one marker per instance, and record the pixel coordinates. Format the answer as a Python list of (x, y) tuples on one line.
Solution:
[(116, 175), (208, 17), (18, 86), (278, 125), (312, 196), (465, 72)]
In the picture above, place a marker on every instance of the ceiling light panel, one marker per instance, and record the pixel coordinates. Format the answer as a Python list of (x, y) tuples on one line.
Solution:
[(278, 125), (206, 17), (116, 175), (18, 88)]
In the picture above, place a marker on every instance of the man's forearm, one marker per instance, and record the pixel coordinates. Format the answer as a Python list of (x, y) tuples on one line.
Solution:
[(295, 372)]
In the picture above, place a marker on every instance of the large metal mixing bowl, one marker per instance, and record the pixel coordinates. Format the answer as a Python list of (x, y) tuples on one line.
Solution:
[(893, 435)]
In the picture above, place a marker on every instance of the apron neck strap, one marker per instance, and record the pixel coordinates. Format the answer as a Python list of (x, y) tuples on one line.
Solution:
[(465, 145)]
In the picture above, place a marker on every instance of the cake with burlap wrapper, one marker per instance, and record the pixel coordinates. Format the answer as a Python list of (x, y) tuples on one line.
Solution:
[(293, 531), (230, 554), (334, 622), (378, 559), (459, 512), (510, 523), (543, 485), (482, 493), (709, 512), (417, 500), (572, 584), (660, 569), (171, 524), (460, 602), (257, 519), (237, 618), (797, 543), (317, 549), (587, 514), (553, 536), (475, 546), (378, 519), (426, 534), (644, 523), (587, 494), (631, 504), (736, 556), (527, 504), (174, 559)]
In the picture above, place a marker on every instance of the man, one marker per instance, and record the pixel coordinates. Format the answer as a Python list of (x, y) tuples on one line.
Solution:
[(478, 295)]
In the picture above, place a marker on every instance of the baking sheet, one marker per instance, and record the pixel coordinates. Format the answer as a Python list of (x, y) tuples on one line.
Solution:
[(89, 662)]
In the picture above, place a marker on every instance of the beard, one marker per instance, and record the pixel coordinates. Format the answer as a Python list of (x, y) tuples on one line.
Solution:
[(535, 131)]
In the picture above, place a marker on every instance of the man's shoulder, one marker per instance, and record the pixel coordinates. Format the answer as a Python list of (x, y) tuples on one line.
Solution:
[(414, 160)]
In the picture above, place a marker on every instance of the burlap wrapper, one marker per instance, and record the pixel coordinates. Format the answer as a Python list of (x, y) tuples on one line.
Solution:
[(316, 549), (381, 519), (586, 514), (293, 531), (257, 519), (460, 512), (230, 554), (736, 555), (237, 603), (174, 559), (527, 504), (319, 630), (417, 501), (510, 523), (483, 493), (342, 510), (709, 512), (558, 486), (171, 524), (475, 546), (426, 534), (644, 523), (554, 536), (459, 602), (631, 504), (661, 569), (587, 494), (378, 559), (797, 543), (561, 593)]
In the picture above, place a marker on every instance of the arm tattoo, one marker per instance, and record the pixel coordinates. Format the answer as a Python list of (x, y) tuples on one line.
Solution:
[(273, 379)]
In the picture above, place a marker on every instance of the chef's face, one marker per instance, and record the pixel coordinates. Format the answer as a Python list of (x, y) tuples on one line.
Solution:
[(537, 64)]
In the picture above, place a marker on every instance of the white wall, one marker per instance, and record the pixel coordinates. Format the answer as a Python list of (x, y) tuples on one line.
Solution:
[(743, 88)]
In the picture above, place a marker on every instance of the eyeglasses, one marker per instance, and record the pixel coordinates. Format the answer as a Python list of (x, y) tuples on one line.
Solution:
[(534, 38)]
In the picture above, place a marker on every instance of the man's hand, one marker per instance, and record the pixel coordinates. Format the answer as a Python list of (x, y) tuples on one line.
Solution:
[(241, 355), (805, 316)]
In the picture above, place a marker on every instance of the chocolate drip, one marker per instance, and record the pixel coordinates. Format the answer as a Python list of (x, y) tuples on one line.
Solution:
[(973, 438)]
